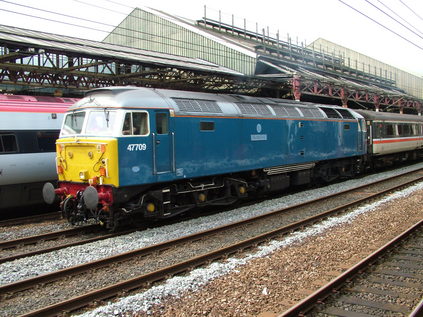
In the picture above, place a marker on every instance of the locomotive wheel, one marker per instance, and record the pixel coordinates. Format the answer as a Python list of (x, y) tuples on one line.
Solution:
[(68, 209)]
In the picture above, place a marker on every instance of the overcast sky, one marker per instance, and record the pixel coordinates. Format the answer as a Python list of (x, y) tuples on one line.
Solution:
[(303, 20)]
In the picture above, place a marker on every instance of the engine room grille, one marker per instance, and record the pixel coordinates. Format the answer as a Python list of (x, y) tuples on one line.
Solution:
[(197, 105), (311, 113), (254, 109), (331, 113), (345, 114), (286, 111)]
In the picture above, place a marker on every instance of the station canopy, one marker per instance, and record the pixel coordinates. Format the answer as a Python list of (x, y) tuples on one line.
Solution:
[(153, 49)]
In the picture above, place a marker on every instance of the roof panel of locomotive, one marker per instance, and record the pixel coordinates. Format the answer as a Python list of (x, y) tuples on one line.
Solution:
[(147, 98)]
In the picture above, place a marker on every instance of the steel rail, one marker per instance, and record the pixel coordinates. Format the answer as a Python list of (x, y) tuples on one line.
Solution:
[(161, 274), (45, 236), (308, 303), (62, 246), (31, 219), (418, 310), (50, 277)]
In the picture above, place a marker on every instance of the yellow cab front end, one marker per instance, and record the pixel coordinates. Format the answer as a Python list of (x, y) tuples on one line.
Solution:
[(87, 164), (90, 161)]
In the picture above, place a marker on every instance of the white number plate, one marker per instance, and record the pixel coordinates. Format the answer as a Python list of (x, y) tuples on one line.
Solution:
[(137, 147)]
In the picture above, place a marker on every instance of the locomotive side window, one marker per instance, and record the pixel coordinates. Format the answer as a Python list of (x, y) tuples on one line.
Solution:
[(135, 123), (162, 123), (206, 126), (8, 143)]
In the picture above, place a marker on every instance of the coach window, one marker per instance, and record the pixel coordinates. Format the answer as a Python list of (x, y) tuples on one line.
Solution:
[(377, 130), (416, 129), (406, 129), (47, 140), (389, 130), (8, 143), (162, 123)]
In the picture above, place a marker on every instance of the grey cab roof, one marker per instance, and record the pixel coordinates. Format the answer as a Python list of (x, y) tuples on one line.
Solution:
[(186, 102)]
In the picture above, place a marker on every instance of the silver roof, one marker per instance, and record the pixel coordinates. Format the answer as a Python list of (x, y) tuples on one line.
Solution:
[(197, 103)]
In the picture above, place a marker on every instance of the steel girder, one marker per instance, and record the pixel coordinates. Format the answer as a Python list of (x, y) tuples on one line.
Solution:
[(54, 69), (377, 98)]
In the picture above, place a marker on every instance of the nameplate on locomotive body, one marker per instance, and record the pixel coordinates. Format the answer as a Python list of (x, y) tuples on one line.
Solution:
[(258, 137)]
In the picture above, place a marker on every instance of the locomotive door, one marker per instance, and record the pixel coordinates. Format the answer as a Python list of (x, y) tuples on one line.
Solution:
[(361, 134), (162, 144)]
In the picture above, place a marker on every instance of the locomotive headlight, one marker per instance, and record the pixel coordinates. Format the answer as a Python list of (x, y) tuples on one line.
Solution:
[(83, 175)]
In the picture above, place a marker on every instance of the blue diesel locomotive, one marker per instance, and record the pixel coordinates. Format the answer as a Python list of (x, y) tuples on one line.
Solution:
[(127, 151)]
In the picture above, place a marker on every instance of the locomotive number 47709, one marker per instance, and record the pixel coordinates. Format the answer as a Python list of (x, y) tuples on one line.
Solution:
[(137, 147)]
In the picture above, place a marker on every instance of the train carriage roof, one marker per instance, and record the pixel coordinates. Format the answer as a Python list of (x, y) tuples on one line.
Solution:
[(387, 116)]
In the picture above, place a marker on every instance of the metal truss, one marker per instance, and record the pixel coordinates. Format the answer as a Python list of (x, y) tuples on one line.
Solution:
[(53, 69), (74, 73), (354, 95)]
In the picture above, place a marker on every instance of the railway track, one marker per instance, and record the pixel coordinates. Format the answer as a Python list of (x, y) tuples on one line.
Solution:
[(48, 242), (388, 282), (172, 249), (31, 219)]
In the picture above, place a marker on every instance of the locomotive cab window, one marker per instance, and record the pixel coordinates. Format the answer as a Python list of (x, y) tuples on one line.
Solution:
[(73, 123), (101, 122), (135, 123), (8, 143)]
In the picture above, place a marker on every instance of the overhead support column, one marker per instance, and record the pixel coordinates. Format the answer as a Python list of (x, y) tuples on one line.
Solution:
[(296, 87), (344, 97), (377, 103)]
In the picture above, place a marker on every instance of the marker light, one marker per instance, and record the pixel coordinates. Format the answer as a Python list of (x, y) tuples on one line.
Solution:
[(242, 190), (60, 169), (151, 207), (202, 197), (103, 171)]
